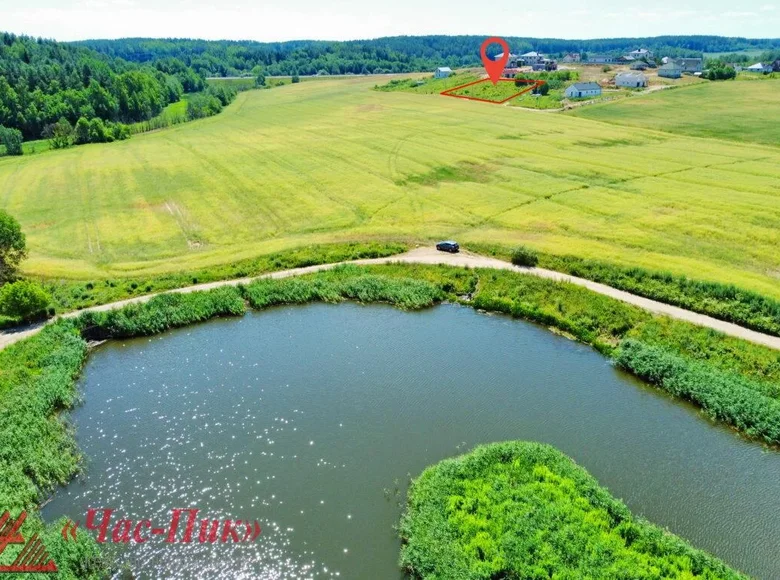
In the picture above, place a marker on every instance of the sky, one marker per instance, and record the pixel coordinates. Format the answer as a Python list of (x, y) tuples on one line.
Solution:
[(266, 20)]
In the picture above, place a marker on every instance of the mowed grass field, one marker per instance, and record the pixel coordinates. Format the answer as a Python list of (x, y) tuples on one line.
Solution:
[(334, 160), (736, 110)]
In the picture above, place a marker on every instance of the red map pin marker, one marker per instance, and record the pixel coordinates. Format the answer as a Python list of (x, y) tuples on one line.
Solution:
[(494, 68)]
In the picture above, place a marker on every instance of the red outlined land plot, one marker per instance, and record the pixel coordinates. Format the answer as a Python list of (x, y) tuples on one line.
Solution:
[(530, 82)]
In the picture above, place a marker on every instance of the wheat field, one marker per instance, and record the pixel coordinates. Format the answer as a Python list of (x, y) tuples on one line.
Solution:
[(336, 160)]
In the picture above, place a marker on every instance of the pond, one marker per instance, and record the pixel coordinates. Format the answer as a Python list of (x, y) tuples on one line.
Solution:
[(310, 419)]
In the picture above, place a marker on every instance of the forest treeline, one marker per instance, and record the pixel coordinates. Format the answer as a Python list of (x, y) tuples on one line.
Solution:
[(386, 55), (43, 82)]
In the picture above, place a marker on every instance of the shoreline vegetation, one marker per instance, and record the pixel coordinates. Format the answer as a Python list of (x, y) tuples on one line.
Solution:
[(731, 380), (525, 510), (726, 302)]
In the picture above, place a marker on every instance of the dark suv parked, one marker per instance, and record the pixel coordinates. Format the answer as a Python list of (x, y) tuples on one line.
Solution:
[(448, 246)]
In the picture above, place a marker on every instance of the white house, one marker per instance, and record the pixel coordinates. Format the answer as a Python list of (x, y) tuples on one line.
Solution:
[(572, 57), (670, 70), (631, 80), (442, 72), (760, 67), (641, 53), (579, 90), (532, 58), (601, 59)]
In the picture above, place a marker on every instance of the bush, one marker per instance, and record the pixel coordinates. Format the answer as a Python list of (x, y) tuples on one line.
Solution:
[(97, 131), (723, 301), (25, 300), (13, 246), (739, 401), (81, 132), (12, 139), (524, 510), (203, 105), (525, 256)]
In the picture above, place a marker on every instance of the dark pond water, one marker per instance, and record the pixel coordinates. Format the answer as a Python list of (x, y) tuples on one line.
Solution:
[(309, 419)]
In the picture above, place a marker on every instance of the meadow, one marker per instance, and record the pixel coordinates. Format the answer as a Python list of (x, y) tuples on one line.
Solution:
[(734, 110), (335, 161)]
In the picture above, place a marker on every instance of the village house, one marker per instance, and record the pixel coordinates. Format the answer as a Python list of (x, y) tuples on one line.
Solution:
[(641, 54), (572, 57), (546, 64), (690, 65), (532, 58), (601, 59), (511, 62), (580, 90), (776, 65), (442, 72), (639, 65), (670, 70), (760, 67), (631, 80)]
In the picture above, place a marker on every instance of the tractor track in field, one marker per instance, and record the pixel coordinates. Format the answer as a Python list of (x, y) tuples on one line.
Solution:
[(428, 255)]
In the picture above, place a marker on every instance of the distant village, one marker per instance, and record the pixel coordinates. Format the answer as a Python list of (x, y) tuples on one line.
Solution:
[(638, 61)]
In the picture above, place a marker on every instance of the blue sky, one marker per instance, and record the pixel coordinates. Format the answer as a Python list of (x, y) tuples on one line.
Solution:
[(349, 19)]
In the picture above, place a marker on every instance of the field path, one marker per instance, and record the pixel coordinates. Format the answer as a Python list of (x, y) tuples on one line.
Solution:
[(427, 255)]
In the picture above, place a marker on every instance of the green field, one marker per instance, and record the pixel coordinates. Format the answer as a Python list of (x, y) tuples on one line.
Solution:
[(723, 110), (334, 160)]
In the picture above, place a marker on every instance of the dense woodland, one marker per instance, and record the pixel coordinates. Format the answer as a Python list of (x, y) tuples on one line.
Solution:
[(43, 81), (392, 54)]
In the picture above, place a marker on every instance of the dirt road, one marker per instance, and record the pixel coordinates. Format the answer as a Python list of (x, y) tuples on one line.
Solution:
[(431, 256)]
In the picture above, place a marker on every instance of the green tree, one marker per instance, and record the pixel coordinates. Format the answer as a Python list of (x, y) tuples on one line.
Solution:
[(59, 134), (97, 131), (542, 89), (24, 299), (296, 78), (525, 256), (13, 246), (81, 132), (12, 139), (260, 80)]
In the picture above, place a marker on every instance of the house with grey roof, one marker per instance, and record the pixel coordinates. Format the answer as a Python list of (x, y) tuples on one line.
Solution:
[(581, 90), (690, 65), (532, 58), (630, 80), (442, 72), (670, 70)]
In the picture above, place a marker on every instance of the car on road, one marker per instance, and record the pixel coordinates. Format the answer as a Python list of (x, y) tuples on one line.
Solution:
[(448, 246)]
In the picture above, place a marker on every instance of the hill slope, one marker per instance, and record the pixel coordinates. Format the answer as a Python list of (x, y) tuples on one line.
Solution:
[(334, 160)]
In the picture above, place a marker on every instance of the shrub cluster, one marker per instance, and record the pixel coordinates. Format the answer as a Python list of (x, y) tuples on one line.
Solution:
[(24, 300), (161, 313), (592, 318), (11, 139), (745, 404), (525, 256), (37, 451), (723, 301), (524, 510), (344, 283), (210, 102), (71, 295)]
